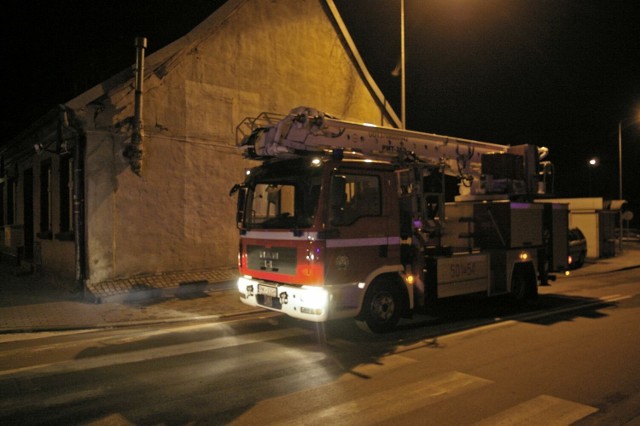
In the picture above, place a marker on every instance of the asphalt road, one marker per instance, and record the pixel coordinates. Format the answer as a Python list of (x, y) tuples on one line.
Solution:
[(570, 358)]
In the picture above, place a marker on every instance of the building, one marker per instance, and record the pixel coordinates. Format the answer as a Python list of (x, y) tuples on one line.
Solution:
[(78, 203), (597, 219)]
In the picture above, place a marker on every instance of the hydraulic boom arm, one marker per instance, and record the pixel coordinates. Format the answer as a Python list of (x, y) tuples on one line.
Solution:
[(306, 130)]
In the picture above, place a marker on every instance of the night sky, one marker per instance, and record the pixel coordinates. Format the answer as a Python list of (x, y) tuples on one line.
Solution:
[(557, 73)]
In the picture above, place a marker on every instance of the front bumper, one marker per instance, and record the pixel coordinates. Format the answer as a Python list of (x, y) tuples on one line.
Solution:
[(309, 303)]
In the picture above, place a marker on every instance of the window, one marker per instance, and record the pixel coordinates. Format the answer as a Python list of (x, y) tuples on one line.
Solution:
[(66, 199), (273, 206), (11, 203), (45, 200), (283, 195), (1, 203), (353, 197)]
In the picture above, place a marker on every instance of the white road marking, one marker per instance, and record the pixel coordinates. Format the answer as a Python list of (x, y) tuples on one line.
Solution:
[(394, 401), (509, 321), (543, 410), (154, 353)]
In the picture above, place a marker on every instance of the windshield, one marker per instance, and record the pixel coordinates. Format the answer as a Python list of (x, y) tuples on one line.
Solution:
[(282, 201)]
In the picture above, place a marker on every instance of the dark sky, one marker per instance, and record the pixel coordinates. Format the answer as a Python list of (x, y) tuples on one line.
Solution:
[(558, 73), (53, 51)]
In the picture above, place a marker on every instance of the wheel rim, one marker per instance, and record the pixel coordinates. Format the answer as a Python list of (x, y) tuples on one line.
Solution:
[(382, 307)]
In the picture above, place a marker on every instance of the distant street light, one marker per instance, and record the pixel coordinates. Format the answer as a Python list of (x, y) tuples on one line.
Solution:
[(593, 162)]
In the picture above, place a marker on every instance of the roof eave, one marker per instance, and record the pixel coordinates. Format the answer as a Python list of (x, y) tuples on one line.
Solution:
[(351, 48)]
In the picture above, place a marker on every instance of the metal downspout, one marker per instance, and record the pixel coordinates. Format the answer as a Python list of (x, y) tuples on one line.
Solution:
[(78, 209), (79, 143), (134, 150)]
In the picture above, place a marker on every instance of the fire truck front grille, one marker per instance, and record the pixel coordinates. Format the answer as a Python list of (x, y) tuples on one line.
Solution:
[(281, 260), (269, 302)]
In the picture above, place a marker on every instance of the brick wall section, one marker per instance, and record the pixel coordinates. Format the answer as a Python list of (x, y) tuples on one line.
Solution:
[(164, 281)]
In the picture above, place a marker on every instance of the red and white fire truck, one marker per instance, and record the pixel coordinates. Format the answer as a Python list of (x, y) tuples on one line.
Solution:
[(342, 219)]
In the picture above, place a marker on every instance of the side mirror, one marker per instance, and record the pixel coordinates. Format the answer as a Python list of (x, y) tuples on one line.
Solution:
[(235, 189), (241, 202)]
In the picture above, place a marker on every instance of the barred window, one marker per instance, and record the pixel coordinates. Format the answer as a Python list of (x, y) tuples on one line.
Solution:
[(45, 197), (66, 190)]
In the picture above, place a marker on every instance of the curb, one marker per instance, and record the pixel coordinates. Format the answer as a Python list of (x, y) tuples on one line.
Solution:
[(608, 271), (157, 285), (182, 290), (122, 324)]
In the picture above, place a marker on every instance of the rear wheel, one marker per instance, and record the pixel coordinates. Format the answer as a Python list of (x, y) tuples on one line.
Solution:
[(524, 286), (381, 309), (519, 288)]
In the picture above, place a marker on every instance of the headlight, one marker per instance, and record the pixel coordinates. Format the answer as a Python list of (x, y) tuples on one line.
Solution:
[(315, 297)]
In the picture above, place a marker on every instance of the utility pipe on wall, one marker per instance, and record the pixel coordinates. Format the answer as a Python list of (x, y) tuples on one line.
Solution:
[(69, 123), (134, 150)]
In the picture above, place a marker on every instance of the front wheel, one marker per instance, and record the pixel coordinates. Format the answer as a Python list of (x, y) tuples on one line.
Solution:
[(381, 309)]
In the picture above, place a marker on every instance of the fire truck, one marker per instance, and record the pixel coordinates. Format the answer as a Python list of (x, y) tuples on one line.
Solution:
[(342, 219)]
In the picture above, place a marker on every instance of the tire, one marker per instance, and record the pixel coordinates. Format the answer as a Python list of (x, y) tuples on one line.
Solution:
[(381, 309), (524, 287), (519, 287)]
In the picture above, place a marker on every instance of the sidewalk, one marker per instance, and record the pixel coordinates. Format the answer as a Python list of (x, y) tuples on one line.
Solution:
[(27, 304)]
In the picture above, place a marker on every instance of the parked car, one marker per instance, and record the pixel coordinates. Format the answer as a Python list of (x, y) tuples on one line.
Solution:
[(577, 248)]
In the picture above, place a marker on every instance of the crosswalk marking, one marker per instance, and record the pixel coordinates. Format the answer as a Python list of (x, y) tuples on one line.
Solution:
[(111, 420), (392, 402), (155, 353), (543, 410), (368, 371), (388, 401)]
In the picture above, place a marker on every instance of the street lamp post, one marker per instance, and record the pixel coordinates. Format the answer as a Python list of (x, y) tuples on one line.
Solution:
[(403, 81), (620, 181), (634, 119)]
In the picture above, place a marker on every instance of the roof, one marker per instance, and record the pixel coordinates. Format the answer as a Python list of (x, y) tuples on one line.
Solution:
[(163, 60)]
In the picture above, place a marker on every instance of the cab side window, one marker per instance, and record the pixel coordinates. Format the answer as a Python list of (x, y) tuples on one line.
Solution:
[(353, 197)]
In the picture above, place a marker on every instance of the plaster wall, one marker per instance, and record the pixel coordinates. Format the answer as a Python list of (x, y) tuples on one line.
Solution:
[(56, 259), (267, 56)]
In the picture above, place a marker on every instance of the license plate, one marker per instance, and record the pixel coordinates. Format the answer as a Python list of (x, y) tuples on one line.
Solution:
[(267, 290)]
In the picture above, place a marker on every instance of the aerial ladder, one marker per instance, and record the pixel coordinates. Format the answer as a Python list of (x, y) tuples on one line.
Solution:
[(486, 171), (306, 130)]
